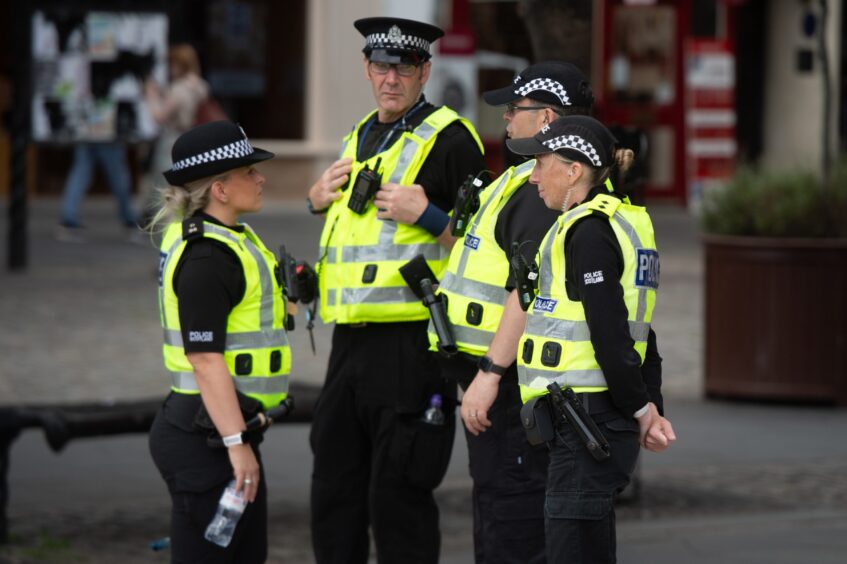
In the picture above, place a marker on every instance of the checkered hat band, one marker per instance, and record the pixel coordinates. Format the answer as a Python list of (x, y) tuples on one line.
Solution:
[(384, 41), (548, 84), (232, 151), (576, 143)]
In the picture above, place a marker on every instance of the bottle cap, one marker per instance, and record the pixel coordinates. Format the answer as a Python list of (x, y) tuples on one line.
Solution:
[(435, 400)]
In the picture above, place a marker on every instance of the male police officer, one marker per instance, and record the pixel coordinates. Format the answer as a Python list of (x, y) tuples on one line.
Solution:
[(374, 462), (483, 308)]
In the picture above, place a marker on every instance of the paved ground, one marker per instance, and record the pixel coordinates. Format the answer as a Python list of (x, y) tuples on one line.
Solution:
[(745, 483)]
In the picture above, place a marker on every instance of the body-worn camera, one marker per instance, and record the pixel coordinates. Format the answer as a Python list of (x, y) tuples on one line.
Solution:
[(525, 275), (467, 204), (365, 187)]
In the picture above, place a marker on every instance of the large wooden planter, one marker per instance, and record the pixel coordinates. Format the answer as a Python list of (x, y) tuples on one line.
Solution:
[(776, 318)]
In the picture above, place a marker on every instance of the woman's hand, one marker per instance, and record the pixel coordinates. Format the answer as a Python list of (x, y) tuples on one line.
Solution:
[(246, 470), (478, 400)]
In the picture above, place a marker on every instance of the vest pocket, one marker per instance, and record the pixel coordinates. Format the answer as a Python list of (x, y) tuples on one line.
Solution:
[(243, 364), (370, 274), (276, 361), (550, 354), (526, 354), (474, 314)]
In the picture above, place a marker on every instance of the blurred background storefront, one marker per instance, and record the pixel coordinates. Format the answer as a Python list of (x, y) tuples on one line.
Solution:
[(699, 85)]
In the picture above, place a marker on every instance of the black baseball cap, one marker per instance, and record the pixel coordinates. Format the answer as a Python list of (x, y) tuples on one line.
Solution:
[(578, 138), (397, 40), (209, 149), (552, 82)]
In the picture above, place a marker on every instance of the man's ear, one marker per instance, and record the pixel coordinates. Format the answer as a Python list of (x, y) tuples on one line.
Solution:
[(425, 68), (367, 70)]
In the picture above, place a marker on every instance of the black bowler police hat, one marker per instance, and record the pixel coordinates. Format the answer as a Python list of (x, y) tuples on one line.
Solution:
[(210, 149), (395, 40), (554, 83), (578, 138)]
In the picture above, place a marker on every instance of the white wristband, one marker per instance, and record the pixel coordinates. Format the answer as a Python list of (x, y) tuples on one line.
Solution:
[(641, 412), (233, 440)]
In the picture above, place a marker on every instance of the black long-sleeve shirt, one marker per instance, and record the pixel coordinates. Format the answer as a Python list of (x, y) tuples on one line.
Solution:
[(593, 269)]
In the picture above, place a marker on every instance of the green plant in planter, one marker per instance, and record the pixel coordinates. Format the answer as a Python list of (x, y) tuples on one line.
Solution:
[(771, 204)]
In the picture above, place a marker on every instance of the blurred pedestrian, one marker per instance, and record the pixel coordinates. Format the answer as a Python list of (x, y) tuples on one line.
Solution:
[(226, 349), (174, 108), (111, 157), (588, 330), (376, 462)]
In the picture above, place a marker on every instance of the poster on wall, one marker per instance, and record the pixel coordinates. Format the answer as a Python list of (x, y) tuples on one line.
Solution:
[(89, 70)]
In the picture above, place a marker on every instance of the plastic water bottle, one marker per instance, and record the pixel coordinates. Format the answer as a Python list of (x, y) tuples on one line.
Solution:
[(433, 414), (230, 508)]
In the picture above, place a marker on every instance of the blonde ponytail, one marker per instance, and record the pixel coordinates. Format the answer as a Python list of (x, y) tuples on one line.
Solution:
[(179, 202)]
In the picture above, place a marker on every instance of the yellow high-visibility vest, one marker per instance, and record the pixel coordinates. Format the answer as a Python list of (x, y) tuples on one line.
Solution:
[(361, 254), (556, 343), (474, 284), (257, 352)]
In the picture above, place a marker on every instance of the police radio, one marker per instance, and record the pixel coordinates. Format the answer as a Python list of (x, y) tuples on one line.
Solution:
[(525, 275), (467, 204), (367, 183), (300, 284)]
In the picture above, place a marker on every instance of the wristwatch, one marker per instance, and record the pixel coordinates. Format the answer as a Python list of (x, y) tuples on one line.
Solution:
[(232, 440), (312, 209), (487, 365)]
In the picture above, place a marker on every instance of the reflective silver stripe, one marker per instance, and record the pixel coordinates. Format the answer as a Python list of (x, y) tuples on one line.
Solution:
[(574, 331), (394, 294), (266, 313), (344, 143), (545, 274), (425, 131), (471, 335), (635, 241), (531, 376), (466, 251), (330, 296), (222, 232), (390, 251), (245, 384), (168, 260), (275, 338), (329, 253), (475, 290), (407, 153), (524, 167)]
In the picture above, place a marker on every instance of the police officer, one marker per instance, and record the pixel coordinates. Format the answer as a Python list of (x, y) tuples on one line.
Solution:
[(588, 329), (226, 349), (509, 475), (375, 462)]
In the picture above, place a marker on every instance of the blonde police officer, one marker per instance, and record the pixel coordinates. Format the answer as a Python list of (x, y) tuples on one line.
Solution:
[(588, 329), (375, 463), (222, 311)]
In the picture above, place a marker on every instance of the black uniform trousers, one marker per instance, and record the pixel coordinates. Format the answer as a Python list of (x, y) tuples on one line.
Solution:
[(509, 476), (196, 476), (579, 510), (375, 462)]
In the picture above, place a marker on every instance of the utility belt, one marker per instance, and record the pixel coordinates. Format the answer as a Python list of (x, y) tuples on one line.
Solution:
[(541, 415), (257, 421)]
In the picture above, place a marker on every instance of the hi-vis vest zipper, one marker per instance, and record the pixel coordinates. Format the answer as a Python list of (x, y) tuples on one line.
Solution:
[(556, 343), (475, 281), (257, 352), (361, 254)]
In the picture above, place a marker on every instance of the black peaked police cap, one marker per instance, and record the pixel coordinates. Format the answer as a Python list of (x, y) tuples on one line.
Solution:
[(396, 40), (578, 138), (554, 83), (210, 149)]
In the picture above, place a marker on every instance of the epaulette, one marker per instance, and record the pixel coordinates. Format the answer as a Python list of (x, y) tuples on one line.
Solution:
[(604, 204), (192, 228)]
